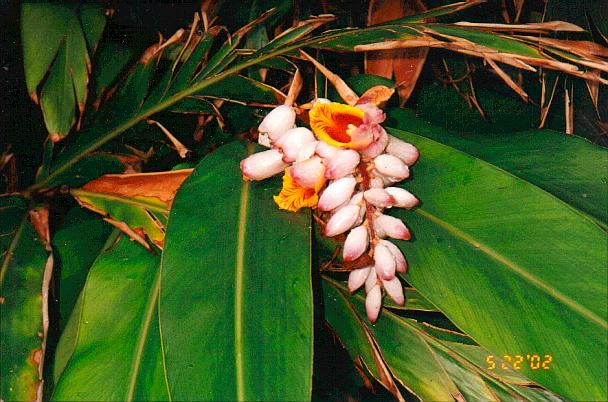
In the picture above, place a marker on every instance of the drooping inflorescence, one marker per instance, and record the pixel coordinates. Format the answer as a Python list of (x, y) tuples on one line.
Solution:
[(345, 167)]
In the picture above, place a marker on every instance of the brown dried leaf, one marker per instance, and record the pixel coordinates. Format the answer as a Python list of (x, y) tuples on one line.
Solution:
[(569, 109), (179, 147), (594, 90), (404, 64), (344, 90), (294, 89), (505, 77), (40, 221), (557, 26), (160, 185), (133, 235), (376, 95)]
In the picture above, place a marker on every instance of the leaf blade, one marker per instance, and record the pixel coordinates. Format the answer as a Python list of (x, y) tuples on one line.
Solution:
[(253, 280)]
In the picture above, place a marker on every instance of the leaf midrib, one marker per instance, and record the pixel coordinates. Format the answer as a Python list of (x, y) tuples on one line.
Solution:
[(238, 286), (514, 267)]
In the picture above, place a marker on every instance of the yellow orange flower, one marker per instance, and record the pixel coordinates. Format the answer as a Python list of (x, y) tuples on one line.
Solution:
[(337, 124), (293, 196)]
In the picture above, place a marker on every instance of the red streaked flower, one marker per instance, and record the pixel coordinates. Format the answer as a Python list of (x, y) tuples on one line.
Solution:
[(336, 124)]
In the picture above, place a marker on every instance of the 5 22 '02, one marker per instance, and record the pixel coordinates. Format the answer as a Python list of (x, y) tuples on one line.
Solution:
[(518, 362)]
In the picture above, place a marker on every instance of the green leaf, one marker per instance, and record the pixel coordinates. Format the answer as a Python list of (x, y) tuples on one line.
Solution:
[(567, 166), (137, 204), (430, 368), (23, 259), (54, 43), (76, 245), (110, 60), (519, 267), (110, 349), (236, 296)]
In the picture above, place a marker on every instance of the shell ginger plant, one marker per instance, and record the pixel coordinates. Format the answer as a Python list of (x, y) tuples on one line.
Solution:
[(345, 167)]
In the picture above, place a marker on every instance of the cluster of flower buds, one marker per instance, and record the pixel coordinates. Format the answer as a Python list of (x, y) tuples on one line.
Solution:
[(345, 167)]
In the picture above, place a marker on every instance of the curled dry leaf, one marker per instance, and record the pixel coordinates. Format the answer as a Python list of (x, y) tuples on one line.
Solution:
[(344, 90), (138, 204)]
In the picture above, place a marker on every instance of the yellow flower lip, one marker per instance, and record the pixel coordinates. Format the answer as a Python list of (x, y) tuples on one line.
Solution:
[(334, 123), (293, 196)]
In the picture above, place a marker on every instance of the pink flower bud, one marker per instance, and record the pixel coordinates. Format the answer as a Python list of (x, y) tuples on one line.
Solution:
[(402, 150), (337, 193), (384, 262), (378, 197), (376, 182), (325, 150), (403, 198), (371, 281), (342, 220), (307, 151), (391, 167), (357, 199), (355, 244), (379, 142), (341, 164), (357, 278), (393, 227), (278, 121), (395, 290), (308, 173), (400, 262), (373, 114), (373, 303), (262, 165), (292, 141)]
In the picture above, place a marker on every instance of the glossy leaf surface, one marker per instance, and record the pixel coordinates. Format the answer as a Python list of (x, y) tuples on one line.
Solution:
[(76, 245), (429, 367), (110, 349), (515, 277), (57, 39), (23, 259), (236, 294), (567, 166)]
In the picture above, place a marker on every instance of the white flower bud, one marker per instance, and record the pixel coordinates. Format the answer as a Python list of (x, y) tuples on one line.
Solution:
[(403, 198), (373, 303), (307, 151), (378, 197), (400, 262), (395, 290), (391, 167), (376, 182), (325, 150), (263, 165), (393, 227), (355, 244), (384, 262), (357, 199), (402, 150), (341, 164), (308, 173), (357, 278), (371, 281), (278, 121), (337, 193), (292, 141), (342, 220)]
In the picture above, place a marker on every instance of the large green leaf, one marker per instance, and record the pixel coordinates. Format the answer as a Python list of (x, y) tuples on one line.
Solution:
[(23, 259), (57, 41), (431, 368), (110, 349), (567, 166), (236, 295), (511, 265), (76, 245)]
